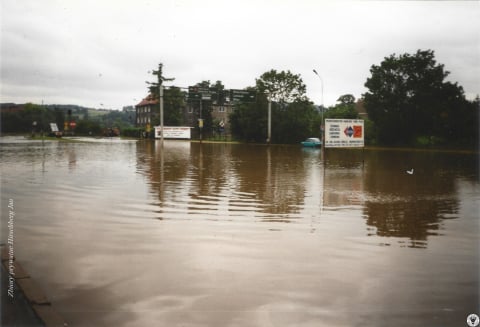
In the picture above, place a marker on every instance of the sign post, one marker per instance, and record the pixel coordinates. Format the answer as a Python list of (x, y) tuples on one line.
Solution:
[(243, 95), (194, 93)]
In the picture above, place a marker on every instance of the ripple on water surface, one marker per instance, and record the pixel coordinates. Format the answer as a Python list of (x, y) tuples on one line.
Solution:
[(133, 234)]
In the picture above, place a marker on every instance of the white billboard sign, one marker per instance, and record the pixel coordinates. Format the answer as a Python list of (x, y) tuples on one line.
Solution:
[(54, 127), (173, 132), (344, 133)]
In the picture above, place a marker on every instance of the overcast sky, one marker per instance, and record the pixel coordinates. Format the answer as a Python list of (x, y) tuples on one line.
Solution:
[(99, 53)]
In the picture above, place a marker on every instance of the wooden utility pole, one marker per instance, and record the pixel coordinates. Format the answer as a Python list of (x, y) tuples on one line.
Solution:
[(153, 90)]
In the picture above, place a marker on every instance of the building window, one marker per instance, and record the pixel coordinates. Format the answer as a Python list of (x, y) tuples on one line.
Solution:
[(221, 109)]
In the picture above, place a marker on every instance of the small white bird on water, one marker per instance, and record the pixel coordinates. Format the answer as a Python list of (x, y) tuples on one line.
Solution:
[(410, 172)]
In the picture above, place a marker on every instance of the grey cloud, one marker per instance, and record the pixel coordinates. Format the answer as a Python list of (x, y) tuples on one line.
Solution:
[(92, 52)]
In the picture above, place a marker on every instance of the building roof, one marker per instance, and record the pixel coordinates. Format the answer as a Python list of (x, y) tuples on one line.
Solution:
[(11, 107), (149, 100), (360, 108)]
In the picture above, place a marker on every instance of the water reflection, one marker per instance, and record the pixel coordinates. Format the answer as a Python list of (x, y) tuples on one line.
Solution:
[(291, 184), (412, 206), (344, 179), (277, 176), (395, 203), (295, 239), (221, 180)]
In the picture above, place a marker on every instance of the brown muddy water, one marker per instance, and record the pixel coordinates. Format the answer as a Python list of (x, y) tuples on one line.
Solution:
[(127, 233)]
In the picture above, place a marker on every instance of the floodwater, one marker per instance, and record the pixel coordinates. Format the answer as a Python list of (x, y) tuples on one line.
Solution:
[(127, 233)]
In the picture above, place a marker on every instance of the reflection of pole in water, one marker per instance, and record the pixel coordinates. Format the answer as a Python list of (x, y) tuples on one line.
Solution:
[(269, 187), (363, 157), (322, 187), (162, 170), (200, 163), (314, 185), (159, 146)]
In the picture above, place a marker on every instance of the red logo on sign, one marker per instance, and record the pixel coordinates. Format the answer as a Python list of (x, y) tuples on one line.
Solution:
[(357, 131)]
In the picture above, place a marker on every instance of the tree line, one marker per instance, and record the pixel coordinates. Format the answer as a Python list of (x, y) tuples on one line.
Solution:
[(408, 102), (35, 118)]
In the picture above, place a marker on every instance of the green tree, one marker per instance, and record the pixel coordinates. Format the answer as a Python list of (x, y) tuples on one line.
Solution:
[(173, 106), (14, 122), (344, 109), (295, 123), (248, 121), (293, 116), (40, 115), (114, 118), (283, 87), (173, 99), (174, 103), (346, 99), (22, 121), (218, 86), (341, 112), (408, 98)]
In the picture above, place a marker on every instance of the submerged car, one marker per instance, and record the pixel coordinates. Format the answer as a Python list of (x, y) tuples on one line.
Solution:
[(312, 142)]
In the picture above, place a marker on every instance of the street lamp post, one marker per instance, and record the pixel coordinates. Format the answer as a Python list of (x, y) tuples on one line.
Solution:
[(321, 110)]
